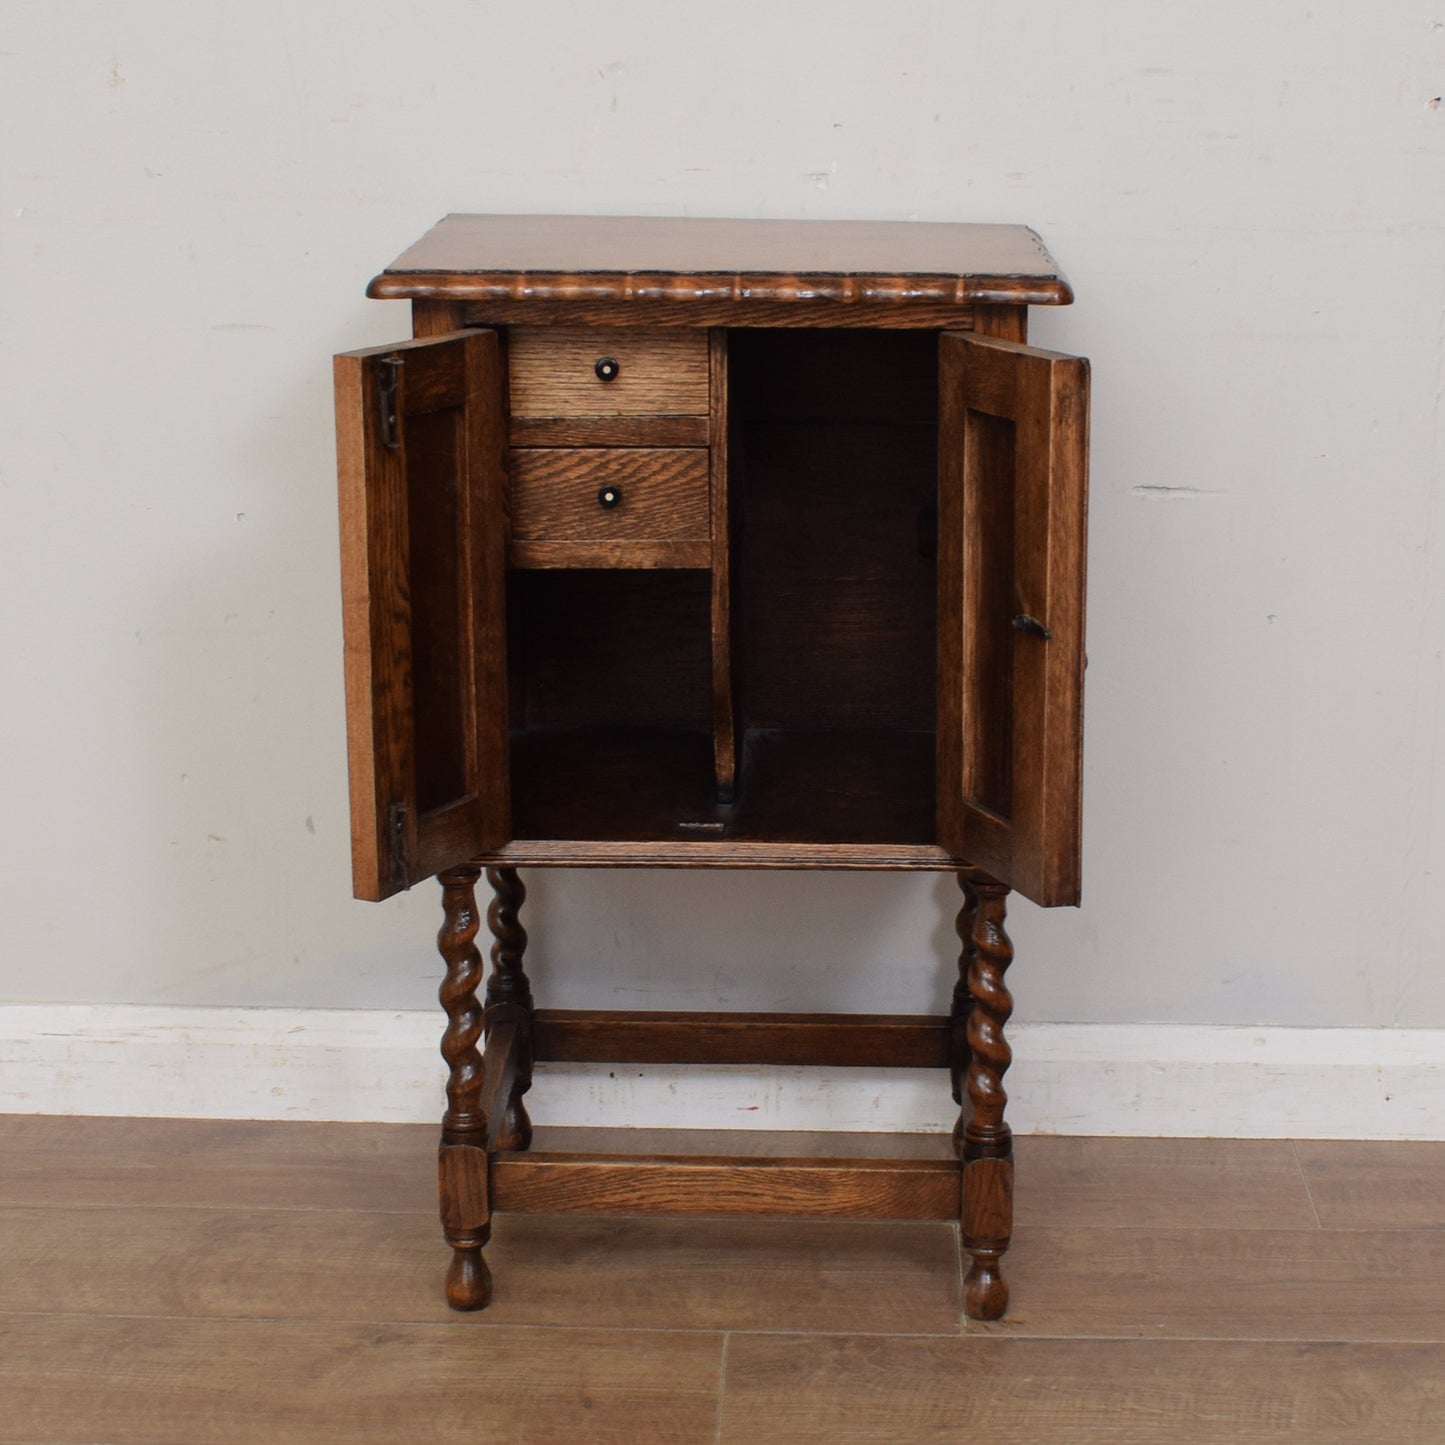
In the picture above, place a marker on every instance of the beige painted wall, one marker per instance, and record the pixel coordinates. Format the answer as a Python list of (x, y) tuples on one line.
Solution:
[(1250, 200)]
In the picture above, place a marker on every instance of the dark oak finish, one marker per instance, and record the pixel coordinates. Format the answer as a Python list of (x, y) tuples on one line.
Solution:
[(961, 1008), (462, 1154), (665, 554), (724, 724), (609, 431), (662, 1037), (661, 494), (872, 314), (697, 1184), (554, 372), (577, 258), (509, 1005), (422, 579), (988, 1167), (845, 857), (701, 544), (1012, 500)]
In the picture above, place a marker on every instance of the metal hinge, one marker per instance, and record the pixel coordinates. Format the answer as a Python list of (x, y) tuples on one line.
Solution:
[(1031, 625), (400, 872), (388, 388)]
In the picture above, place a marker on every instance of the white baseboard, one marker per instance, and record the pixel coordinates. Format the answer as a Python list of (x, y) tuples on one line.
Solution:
[(1141, 1079)]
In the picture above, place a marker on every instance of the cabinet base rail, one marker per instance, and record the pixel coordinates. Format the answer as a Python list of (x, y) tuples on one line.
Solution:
[(688, 1184), (904, 1041)]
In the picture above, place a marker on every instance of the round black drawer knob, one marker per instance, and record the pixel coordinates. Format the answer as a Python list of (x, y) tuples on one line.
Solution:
[(607, 368), (609, 497)]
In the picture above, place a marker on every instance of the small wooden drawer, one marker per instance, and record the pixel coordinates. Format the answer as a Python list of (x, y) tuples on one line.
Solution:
[(602, 371), (610, 507)]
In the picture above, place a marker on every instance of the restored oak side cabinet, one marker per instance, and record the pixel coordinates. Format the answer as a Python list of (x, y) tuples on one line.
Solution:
[(714, 544)]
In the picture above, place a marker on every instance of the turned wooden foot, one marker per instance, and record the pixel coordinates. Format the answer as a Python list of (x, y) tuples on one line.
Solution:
[(509, 998), (985, 1291), (462, 1155), (987, 1141), (469, 1281)]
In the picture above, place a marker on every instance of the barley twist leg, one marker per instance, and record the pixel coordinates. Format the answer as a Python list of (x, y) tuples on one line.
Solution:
[(462, 1156), (987, 1139), (510, 995)]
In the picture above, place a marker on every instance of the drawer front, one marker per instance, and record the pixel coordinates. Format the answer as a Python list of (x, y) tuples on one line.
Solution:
[(600, 371), (609, 493)]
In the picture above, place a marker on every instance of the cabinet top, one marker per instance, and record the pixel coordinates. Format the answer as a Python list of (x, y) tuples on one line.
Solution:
[(627, 258)]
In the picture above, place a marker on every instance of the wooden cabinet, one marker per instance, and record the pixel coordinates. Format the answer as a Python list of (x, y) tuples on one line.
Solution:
[(714, 544)]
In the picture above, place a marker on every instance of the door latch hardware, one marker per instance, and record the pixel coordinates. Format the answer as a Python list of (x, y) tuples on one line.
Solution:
[(388, 387), (1024, 623)]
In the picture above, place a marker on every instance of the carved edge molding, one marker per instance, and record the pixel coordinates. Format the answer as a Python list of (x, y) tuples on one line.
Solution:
[(611, 286)]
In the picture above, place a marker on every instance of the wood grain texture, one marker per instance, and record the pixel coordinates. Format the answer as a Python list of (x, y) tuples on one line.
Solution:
[(1375, 1185), (422, 662), (1008, 323), (565, 294), (658, 311), (461, 1154), (231, 1295), (836, 592), (774, 1143), (986, 1140), (961, 1005), (548, 258), (663, 494), (1081, 1182), (856, 857), (719, 1273), (80, 1380), (508, 1015), (698, 1185), (552, 372), (351, 1264), (724, 720), (216, 1163), (1013, 447), (658, 1037), (651, 785), (501, 1061), (634, 555), (612, 647), (1281, 1284), (853, 1390), (609, 431)]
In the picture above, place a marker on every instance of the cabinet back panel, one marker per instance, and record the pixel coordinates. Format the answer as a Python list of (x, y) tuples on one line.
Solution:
[(834, 482), (839, 376), (610, 649)]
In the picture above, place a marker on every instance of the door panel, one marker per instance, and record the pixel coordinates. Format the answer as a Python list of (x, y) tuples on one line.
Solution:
[(1013, 446), (420, 440)]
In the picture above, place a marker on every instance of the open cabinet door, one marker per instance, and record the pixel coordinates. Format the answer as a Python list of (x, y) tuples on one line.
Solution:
[(420, 437), (1012, 496)]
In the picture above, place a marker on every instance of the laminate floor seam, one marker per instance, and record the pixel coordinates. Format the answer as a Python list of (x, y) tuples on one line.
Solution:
[(722, 1385), (480, 1323), (1305, 1180), (1020, 1228), (979, 1335), (733, 1219)]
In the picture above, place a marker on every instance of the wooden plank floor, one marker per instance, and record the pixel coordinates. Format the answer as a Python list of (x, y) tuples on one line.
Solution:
[(201, 1281)]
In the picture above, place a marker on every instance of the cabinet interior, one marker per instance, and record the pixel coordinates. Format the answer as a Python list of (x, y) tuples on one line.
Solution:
[(832, 515)]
